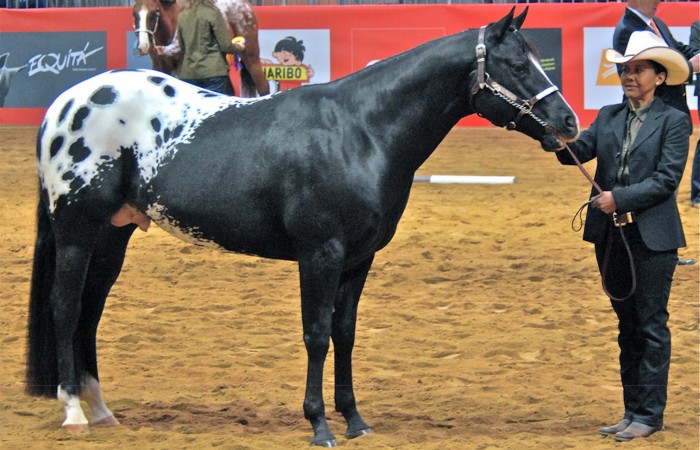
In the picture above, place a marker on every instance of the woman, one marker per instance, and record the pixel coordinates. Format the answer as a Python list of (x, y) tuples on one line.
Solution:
[(641, 147), (204, 43)]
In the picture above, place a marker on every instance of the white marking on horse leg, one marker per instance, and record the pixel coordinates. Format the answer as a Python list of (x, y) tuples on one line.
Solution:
[(76, 422), (99, 413)]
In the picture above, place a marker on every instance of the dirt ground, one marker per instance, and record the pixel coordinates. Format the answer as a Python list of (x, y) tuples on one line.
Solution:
[(482, 325)]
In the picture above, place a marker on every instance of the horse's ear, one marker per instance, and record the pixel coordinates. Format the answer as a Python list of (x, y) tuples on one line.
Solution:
[(518, 21), (500, 27)]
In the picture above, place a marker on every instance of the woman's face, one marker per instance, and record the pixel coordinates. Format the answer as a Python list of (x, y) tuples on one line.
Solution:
[(639, 81)]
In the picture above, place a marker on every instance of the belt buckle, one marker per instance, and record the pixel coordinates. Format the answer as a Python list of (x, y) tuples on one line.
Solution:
[(624, 220)]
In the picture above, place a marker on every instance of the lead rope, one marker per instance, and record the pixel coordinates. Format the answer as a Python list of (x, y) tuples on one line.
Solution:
[(524, 107), (608, 245)]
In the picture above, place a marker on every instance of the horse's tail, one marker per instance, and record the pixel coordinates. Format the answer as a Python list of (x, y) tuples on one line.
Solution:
[(42, 365), (248, 88)]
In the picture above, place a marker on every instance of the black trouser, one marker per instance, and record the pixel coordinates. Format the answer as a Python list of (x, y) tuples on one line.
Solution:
[(644, 337), (695, 172)]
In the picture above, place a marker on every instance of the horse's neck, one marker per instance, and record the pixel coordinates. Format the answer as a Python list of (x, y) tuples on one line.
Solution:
[(168, 23), (413, 100)]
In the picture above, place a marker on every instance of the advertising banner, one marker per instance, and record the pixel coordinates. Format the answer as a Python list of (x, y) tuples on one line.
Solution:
[(50, 64), (45, 51)]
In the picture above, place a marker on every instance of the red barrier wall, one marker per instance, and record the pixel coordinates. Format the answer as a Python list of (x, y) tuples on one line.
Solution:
[(358, 34)]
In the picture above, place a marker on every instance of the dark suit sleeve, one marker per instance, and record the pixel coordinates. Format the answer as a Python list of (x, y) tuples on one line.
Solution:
[(584, 147), (687, 50), (665, 178), (695, 34), (695, 42)]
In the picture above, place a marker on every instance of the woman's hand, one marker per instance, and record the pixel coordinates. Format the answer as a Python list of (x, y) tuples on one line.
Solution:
[(604, 202), (239, 42)]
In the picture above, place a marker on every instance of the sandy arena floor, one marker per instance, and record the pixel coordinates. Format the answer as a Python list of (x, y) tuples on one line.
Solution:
[(482, 325)]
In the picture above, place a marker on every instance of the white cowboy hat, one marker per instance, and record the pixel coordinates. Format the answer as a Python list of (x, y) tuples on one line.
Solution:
[(647, 45)]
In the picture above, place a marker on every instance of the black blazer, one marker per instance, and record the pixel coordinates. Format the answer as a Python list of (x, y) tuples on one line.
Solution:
[(630, 22), (656, 162), (695, 43)]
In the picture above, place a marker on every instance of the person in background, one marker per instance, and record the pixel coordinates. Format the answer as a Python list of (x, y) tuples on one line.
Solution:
[(695, 175), (204, 43), (641, 148), (640, 15)]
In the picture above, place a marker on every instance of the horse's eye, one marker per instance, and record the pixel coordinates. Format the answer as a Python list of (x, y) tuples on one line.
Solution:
[(519, 69)]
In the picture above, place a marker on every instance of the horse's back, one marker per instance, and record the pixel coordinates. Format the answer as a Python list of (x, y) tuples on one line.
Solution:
[(88, 127), (239, 17)]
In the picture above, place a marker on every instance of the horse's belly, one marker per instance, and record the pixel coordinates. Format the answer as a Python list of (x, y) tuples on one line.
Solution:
[(206, 230)]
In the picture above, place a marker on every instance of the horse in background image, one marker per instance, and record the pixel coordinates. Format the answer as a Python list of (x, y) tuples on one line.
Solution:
[(155, 23), (6, 74)]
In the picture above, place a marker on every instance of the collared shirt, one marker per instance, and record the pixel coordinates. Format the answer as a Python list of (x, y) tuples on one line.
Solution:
[(649, 21), (635, 119)]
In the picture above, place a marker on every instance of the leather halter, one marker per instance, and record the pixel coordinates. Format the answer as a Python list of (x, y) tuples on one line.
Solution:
[(151, 33), (484, 81)]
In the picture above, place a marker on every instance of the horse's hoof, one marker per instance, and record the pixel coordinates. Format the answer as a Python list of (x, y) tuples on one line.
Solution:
[(109, 421), (77, 430), (358, 433), (328, 443)]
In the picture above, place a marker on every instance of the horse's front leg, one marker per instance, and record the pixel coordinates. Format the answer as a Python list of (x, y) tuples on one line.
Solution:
[(344, 320), (319, 273)]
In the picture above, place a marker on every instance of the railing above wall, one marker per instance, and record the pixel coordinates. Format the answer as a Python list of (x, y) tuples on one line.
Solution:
[(96, 3), (62, 3)]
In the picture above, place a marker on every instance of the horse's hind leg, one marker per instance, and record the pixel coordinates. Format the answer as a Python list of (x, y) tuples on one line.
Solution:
[(105, 266), (88, 261), (252, 76), (344, 319), (73, 253)]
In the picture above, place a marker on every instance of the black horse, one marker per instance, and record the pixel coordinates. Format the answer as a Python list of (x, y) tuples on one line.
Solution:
[(320, 175)]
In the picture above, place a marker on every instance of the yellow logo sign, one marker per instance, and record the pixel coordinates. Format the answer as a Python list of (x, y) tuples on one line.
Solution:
[(279, 72), (607, 73)]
